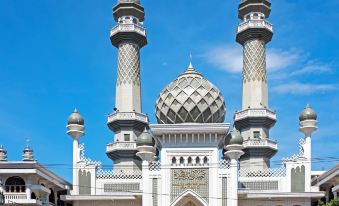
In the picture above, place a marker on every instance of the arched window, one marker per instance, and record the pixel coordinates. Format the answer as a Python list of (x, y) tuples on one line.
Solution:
[(174, 161), (205, 161), (189, 160), (197, 161), (51, 197), (15, 184), (182, 161), (33, 196)]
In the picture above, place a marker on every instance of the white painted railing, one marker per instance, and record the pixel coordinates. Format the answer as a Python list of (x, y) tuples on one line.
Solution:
[(255, 24), (260, 142), (128, 28), (121, 146), (15, 196), (255, 113), (127, 116)]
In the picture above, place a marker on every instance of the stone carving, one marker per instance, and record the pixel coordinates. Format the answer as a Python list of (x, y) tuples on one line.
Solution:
[(189, 179)]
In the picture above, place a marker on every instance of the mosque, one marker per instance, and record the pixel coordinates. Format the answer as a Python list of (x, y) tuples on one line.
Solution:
[(191, 157)]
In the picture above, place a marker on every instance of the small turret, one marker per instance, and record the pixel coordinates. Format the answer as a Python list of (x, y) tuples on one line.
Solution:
[(3, 154), (308, 120), (28, 154), (145, 146), (233, 144), (75, 125)]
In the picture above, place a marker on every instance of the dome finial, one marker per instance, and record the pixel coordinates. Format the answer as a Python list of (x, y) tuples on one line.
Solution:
[(190, 65)]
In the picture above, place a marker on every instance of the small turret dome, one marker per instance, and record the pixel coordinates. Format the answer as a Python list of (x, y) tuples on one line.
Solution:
[(234, 137), (145, 139), (28, 154), (308, 114), (75, 118), (3, 153), (190, 99)]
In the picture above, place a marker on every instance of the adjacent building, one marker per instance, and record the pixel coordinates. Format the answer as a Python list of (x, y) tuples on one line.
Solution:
[(29, 183)]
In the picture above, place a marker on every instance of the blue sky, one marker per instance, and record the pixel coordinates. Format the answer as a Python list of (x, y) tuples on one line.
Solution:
[(56, 55)]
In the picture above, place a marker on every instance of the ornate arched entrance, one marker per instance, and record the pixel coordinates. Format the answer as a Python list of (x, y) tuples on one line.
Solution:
[(189, 198)]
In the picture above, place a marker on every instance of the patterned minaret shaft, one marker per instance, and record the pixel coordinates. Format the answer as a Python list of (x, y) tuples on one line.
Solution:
[(127, 122), (255, 119)]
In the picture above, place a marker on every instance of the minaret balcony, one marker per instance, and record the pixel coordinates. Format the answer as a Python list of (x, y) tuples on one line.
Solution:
[(255, 24), (254, 29), (118, 150), (255, 117), (256, 143), (134, 120), (128, 32), (121, 146)]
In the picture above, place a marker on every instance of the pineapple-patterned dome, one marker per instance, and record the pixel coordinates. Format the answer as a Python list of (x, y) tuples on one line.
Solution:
[(190, 99)]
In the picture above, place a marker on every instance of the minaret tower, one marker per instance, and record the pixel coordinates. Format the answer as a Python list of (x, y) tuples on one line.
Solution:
[(255, 119), (127, 122)]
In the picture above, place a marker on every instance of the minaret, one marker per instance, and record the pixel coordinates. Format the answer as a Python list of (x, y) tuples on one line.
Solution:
[(75, 129), (255, 119), (234, 148), (127, 122), (308, 125)]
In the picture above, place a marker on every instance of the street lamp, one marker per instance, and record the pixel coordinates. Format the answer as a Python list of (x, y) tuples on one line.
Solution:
[(2, 198)]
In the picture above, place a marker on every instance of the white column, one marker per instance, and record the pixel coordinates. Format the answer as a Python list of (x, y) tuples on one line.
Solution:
[(28, 189), (234, 182), (146, 185), (1, 185), (76, 158), (308, 161)]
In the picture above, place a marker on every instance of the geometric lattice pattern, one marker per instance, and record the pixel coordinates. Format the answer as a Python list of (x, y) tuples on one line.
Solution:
[(128, 64), (189, 179), (155, 166), (254, 61), (259, 185), (224, 164), (126, 174), (121, 187), (269, 172), (190, 99)]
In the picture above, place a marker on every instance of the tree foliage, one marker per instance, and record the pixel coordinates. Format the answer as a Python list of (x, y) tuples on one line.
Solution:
[(331, 203)]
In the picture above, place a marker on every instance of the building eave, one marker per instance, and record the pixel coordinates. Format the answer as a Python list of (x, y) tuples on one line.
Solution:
[(273, 195), (113, 196)]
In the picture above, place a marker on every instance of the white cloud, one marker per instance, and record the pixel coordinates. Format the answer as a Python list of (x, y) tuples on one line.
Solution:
[(312, 67), (230, 58), (300, 88), (279, 59), (226, 58)]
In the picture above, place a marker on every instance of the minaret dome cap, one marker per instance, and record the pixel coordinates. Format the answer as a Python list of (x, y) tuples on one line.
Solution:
[(75, 118), (145, 139), (234, 137), (308, 114)]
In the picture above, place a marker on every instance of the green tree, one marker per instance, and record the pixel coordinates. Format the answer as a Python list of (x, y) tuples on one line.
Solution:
[(331, 203)]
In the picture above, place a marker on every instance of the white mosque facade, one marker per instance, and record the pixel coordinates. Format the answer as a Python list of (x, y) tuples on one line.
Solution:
[(191, 157)]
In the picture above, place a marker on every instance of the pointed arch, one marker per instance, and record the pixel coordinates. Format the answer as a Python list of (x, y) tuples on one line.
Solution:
[(187, 197)]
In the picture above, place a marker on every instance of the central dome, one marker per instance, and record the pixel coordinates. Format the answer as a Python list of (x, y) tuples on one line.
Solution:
[(190, 99)]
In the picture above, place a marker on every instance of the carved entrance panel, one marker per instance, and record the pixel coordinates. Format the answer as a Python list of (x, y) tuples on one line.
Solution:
[(189, 179)]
